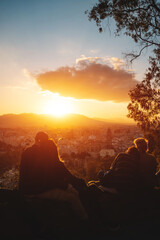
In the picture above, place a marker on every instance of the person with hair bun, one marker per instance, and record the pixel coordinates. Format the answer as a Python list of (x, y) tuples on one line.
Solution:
[(44, 175), (147, 164), (41, 168)]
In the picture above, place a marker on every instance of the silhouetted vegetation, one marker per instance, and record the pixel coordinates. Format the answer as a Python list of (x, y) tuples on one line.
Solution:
[(137, 19), (140, 21)]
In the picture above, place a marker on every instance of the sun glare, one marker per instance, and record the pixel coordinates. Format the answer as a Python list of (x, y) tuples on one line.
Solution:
[(58, 108)]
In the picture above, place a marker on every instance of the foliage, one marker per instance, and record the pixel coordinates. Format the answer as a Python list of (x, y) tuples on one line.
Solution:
[(145, 100), (144, 107), (138, 19)]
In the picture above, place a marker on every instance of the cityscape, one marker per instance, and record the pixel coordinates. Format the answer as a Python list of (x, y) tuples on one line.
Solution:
[(85, 151)]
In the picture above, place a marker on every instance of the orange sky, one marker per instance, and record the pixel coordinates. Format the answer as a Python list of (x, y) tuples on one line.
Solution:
[(53, 60), (95, 87)]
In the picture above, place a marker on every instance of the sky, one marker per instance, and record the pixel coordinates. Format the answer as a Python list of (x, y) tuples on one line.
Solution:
[(53, 60)]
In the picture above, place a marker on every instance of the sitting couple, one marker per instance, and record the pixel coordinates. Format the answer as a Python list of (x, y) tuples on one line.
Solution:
[(130, 171), (44, 175)]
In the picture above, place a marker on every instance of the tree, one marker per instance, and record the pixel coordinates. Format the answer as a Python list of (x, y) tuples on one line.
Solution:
[(140, 20), (144, 107)]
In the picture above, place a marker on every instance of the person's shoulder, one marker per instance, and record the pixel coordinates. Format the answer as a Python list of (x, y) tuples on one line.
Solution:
[(29, 150), (121, 159), (149, 155), (151, 158), (122, 155), (51, 144)]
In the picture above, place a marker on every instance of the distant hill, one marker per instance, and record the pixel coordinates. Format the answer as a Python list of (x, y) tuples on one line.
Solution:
[(44, 120), (117, 121)]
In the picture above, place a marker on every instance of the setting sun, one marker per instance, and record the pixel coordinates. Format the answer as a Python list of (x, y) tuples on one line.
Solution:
[(58, 108)]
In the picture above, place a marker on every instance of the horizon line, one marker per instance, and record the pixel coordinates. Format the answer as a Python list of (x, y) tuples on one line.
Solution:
[(109, 120)]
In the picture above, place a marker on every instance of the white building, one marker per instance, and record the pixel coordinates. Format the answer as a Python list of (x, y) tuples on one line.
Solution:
[(107, 152)]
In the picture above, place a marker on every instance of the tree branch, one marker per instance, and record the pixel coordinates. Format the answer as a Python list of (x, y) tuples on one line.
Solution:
[(155, 5), (134, 56)]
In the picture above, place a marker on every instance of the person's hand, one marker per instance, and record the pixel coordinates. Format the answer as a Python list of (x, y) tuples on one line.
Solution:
[(79, 183)]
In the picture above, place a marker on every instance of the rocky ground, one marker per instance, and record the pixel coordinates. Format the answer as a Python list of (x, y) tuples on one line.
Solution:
[(122, 218)]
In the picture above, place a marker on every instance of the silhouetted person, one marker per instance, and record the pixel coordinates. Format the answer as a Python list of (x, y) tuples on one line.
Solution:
[(30, 180), (44, 175), (147, 164), (158, 179), (123, 173), (41, 168)]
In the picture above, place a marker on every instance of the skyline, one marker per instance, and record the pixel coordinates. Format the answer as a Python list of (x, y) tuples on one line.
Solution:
[(56, 39)]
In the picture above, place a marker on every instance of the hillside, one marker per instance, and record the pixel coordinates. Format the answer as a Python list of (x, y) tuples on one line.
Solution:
[(136, 215), (43, 120)]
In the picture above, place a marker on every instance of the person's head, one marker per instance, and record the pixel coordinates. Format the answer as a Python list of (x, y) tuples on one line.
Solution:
[(133, 151), (141, 144), (41, 138)]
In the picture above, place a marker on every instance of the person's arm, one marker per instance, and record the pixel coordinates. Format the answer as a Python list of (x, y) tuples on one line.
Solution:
[(154, 170), (77, 182), (66, 173)]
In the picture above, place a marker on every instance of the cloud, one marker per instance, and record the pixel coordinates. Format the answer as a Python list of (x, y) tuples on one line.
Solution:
[(117, 63), (90, 78)]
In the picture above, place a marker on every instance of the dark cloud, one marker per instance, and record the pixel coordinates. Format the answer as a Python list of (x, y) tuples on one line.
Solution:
[(89, 80)]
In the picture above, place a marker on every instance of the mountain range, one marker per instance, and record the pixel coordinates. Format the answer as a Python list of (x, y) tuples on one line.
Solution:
[(43, 120)]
